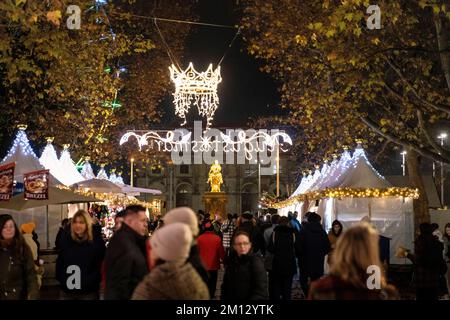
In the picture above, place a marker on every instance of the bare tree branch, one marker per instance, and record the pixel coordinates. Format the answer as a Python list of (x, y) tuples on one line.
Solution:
[(440, 107), (408, 145), (430, 140)]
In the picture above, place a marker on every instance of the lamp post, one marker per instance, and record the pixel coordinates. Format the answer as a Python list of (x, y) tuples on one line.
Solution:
[(278, 170), (132, 172), (442, 137), (259, 181), (403, 153)]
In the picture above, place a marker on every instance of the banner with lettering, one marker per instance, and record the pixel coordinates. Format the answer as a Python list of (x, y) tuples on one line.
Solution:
[(6, 181), (36, 185)]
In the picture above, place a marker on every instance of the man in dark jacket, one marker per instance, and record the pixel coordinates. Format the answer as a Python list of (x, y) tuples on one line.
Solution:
[(126, 261), (314, 246), (249, 225), (62, 229), (284, 244), (428, 263)]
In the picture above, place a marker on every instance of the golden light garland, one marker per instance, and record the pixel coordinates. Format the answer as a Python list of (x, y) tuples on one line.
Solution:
[(342, 193), (110, 198)]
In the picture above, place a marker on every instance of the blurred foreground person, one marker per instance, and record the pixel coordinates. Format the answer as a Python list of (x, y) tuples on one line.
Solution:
[(188, 217), (126, 258), (428, 263), (171, 276), (18, 280), (356, 250), (245, 277), (85, 249)]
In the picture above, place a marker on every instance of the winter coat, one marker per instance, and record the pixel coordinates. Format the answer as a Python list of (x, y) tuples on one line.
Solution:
[(334, 288), (245, 278), (256, 236), (87, 255), (314, 246), (18, 279), (285, 246), (125, 263), (196, 261), (211, 250), (172, 281), (428, 261), (295, 224)]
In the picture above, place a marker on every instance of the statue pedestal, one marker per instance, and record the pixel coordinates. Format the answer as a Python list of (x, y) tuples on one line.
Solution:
[(215, 203)]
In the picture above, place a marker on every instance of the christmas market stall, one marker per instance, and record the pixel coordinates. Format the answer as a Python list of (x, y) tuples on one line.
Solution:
[(349, 190)]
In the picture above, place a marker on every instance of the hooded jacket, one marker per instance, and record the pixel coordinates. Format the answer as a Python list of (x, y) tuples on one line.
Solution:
[(172, 281), (314, 246)]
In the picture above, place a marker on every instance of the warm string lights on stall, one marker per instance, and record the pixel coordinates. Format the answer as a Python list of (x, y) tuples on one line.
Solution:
[(343, 193)]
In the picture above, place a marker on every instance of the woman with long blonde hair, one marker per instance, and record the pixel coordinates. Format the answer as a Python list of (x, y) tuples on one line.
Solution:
[(83, 248), (356, 272)]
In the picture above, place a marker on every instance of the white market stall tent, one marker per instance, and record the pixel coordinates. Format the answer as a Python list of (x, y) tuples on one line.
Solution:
[(350, 189), (62, 202)]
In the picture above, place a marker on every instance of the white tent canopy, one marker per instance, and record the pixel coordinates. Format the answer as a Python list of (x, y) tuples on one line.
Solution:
[(25, 159), (87, 172), (392, 216), (71, 174), (49, 160)]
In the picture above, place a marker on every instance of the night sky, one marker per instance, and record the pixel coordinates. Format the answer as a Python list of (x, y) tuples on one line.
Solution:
[(244, 91)]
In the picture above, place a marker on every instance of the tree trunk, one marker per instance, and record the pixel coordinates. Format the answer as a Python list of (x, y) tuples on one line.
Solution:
[(443, 39), (421, 213)]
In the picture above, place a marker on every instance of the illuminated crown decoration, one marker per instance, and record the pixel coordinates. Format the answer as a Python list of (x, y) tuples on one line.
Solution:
[(195, 88)]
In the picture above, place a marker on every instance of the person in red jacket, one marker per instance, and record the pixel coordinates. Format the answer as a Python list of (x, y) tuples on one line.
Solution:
[(212, 253)]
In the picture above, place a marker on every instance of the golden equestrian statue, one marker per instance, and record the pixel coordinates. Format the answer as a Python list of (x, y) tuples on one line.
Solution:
[(215, 176)]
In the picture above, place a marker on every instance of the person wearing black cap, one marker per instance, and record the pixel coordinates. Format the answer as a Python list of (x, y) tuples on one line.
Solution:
[(314, 246), (18, 279), (248, 225)]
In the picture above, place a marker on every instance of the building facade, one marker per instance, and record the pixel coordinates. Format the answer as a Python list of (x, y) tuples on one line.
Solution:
[(185, 185)]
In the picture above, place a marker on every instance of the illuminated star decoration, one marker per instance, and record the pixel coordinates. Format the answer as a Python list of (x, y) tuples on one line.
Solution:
[(195, 88)]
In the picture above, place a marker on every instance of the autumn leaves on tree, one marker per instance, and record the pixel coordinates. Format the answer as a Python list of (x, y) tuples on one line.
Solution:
[(86, 86), (341, 81)]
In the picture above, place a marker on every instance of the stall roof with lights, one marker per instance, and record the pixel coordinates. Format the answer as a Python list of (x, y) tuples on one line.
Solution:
[(23, 155), (351, 176)]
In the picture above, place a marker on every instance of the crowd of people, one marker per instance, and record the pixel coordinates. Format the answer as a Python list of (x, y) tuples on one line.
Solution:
[(179, 256)]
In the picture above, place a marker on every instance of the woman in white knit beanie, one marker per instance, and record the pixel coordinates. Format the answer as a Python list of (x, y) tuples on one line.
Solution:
[(171, 276), (188, 217)]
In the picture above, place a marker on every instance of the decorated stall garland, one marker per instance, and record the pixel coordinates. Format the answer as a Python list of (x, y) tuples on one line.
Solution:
[(340, 193)]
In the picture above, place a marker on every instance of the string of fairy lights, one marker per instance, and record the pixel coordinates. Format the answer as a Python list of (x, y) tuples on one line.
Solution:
[(325, 184), (340, 193)]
